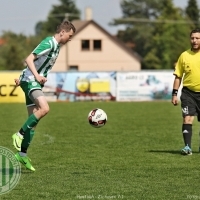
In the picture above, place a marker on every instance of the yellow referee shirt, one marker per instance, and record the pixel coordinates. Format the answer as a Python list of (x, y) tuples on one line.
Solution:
[(188, 68)]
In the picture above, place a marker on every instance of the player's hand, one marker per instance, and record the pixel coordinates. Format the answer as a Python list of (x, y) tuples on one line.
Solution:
[(41, 79), (17, 82), (174, 100)]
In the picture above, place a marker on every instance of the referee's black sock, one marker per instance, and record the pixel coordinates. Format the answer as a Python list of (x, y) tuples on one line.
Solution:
[(187, 134)]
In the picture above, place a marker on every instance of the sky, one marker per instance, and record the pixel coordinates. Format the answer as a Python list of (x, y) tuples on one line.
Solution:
[(21, 16)]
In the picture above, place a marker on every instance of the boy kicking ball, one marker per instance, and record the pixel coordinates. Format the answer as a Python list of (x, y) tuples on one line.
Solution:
[(33, 77)]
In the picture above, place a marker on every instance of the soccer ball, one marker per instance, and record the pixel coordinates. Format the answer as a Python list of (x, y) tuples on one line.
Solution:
[(97, 118)]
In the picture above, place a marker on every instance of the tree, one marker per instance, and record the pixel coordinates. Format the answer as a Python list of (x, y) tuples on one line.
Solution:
[(137, 17), (18, 46), (157, 30), (192, 12), (169, 39), (65, 10), (15, 49)]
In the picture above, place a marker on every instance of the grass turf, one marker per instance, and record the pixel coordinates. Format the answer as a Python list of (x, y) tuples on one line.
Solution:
[(135, 156)]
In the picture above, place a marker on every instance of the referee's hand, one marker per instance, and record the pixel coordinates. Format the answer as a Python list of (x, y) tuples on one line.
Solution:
[(174, 100)]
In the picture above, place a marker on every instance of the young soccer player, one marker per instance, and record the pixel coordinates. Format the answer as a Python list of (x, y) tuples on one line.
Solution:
[(33, 77), (187, 70)]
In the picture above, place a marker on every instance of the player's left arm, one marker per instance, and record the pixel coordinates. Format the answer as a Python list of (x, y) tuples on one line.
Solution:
[(17, 82)]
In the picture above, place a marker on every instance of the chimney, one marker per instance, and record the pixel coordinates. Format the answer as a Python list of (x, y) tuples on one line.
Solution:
[(88, 14)]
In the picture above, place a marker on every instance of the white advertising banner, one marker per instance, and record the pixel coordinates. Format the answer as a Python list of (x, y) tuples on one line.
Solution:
[(144, 85)]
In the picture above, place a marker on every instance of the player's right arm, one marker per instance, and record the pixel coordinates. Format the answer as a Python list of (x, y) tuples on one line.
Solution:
[(41, 50), (178, 73), (30, 63), (176, 85)]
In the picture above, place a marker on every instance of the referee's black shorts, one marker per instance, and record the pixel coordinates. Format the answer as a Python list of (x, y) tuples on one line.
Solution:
[(190, 103)]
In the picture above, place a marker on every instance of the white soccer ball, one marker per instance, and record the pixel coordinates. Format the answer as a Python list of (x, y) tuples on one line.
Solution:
[(97, 118)]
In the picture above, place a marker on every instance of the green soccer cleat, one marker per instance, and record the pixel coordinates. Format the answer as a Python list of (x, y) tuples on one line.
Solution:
[(17, 141), (25, 160)]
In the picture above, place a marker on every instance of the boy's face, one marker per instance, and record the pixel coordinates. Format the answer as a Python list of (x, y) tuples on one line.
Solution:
[(66, 36)]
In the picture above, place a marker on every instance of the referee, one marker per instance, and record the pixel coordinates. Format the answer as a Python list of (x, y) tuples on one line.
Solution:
[(187, 70)]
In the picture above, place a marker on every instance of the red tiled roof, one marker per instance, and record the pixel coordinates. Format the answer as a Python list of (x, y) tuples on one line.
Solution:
[(2, 41)]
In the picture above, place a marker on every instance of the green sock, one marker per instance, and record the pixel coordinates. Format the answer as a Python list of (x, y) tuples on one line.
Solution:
[(30, 123), (32, 132), (27, 139)]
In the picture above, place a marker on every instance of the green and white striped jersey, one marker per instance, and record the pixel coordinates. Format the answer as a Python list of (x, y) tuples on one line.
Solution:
[(46, 54)]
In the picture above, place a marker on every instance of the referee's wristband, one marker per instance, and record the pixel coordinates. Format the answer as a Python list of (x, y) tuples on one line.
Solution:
[(174, 92)]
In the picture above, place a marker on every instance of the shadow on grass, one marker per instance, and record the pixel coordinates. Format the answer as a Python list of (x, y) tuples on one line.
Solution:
[(26, 172), (165, 151), (170, 151)]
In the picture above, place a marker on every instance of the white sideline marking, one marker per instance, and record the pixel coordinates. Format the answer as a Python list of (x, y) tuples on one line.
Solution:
[(50, 139)]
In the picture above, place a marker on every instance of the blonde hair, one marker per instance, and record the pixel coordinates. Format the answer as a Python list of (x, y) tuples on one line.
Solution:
[(66, 25)]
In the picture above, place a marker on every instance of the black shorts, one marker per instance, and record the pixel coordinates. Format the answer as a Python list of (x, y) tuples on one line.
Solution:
[(190, 103)]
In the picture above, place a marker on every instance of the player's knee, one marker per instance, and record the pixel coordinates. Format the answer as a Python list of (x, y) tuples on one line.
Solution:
[(44, 111), (188, 120)]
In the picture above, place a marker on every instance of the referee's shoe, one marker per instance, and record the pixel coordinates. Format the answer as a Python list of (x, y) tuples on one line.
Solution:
[(186, 151)]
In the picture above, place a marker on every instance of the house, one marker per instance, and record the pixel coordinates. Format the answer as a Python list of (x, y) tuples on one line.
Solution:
[(92, 48)]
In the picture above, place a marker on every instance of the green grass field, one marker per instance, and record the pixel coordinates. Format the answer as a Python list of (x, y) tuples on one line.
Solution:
[(135, 156)]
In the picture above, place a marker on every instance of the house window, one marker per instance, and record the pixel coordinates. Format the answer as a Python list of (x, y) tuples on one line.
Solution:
[(73, 68), (85, 44), (97, 44)]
